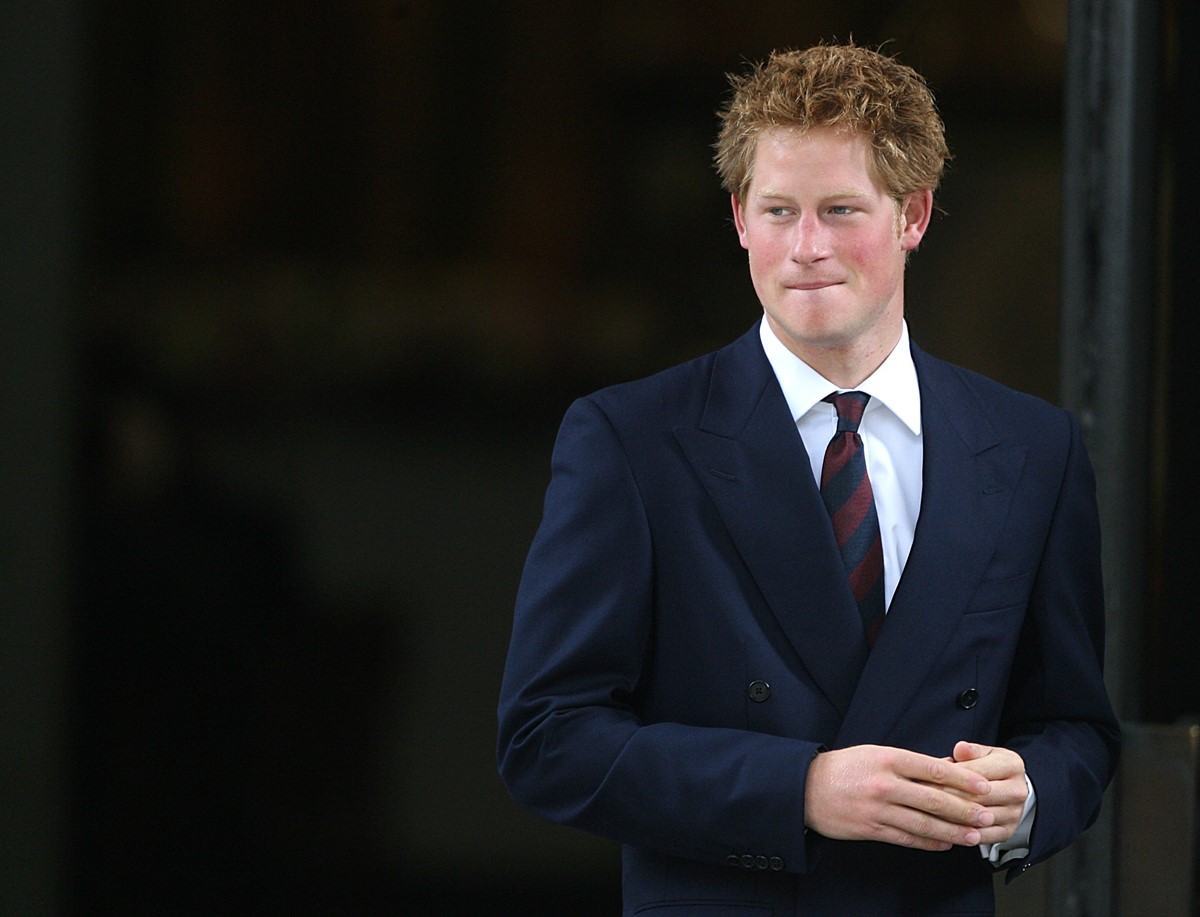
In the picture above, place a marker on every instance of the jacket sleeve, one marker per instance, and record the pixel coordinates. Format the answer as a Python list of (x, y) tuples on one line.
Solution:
[(1057, 713), (572, 746)]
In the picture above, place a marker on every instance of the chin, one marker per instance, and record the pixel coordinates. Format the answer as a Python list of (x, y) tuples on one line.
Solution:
[(813, 331)]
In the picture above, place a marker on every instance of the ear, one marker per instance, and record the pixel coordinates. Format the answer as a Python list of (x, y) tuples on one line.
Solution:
[(915, 212), (739, 220)]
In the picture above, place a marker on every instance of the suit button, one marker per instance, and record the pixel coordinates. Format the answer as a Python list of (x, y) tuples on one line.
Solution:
[(733, 860), (748, 860), (759, 691), (760, 862), (968, 699), (776, 864)]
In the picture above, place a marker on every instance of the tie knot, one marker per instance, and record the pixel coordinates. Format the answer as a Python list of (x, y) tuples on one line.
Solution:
[(849, 407)]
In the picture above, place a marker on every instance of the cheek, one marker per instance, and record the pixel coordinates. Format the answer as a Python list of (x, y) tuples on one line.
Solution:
[(761, 270), (880, 255), (764, 254)]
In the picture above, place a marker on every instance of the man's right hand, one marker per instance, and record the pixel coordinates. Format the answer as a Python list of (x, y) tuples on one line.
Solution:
[(879, 793)]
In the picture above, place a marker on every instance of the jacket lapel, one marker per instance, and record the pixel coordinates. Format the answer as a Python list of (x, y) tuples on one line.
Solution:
[(748, 456), (969, 479)]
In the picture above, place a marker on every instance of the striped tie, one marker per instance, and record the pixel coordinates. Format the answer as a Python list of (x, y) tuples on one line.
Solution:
[(846, 490)]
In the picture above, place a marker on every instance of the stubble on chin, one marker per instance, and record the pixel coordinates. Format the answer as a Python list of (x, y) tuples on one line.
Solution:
[(843, 355)]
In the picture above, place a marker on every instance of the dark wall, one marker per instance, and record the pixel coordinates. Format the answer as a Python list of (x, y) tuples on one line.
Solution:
[(1172, 634)]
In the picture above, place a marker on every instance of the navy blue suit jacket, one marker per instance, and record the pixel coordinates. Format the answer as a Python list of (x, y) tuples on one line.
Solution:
[(685, 639)]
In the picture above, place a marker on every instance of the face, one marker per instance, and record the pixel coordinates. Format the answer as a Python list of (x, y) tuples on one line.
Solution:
[(826, 246)]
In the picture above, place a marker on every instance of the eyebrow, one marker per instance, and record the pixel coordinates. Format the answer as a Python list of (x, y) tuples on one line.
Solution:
[(842, 193)]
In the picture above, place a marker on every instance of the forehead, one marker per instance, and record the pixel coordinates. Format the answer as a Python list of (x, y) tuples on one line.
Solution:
[(787, 159)]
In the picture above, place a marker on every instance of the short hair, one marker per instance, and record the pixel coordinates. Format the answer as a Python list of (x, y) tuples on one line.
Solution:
[(845, 87)]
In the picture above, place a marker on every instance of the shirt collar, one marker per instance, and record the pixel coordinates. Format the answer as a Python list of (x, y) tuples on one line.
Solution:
[(893, 384)]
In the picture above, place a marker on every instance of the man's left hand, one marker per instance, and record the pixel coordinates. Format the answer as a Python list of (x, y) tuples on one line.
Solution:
[(1005, 771)]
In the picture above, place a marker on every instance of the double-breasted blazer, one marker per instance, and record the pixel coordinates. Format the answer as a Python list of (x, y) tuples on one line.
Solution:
[(685, 640)]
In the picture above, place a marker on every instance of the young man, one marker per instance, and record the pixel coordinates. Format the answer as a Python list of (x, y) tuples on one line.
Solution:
[(814, 624)]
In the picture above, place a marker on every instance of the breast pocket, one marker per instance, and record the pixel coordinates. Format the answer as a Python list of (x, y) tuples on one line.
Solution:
[(1006, 592)]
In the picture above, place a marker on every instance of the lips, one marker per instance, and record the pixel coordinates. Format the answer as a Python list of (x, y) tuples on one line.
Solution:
[(812, 285)]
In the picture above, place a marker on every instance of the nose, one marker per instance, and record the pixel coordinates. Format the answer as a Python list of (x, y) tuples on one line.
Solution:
[(811, 242)]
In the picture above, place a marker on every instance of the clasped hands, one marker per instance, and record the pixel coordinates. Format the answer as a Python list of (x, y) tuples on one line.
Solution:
[(880, 793)]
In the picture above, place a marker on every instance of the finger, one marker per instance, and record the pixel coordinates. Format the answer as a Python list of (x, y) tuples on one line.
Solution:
[(903, 838), (1007, 819), (912, 827), (991, 762), (951, 807), (916, 842), (1009, 792), (995, 835), (970, 751), (1001, 831), (940, 772)]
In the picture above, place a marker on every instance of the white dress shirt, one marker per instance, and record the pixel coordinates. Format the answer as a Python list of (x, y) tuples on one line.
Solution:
[(890, 431), (894, 450)]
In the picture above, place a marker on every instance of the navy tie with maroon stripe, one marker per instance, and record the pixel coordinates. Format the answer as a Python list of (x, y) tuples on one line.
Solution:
[(846, 490)]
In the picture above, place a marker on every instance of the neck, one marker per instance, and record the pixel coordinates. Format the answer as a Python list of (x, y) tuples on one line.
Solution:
[(847, 366), (844, 352)]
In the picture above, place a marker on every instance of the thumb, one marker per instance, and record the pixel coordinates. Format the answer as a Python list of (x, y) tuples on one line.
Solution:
[(970, 751)]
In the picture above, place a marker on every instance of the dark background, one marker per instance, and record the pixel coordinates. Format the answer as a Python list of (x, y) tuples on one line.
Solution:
[(340, 268)]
